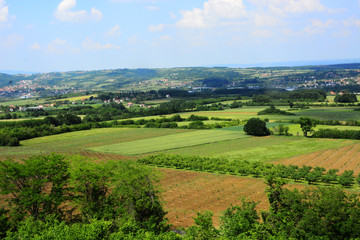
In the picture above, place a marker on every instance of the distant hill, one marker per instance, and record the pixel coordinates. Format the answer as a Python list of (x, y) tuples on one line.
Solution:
[(148, 79)]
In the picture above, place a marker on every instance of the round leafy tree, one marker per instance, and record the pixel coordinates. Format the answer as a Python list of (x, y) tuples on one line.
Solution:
[(256, 127)]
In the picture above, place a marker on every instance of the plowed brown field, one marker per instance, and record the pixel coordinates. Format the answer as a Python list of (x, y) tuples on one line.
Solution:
[(345, 158), (187, 192)]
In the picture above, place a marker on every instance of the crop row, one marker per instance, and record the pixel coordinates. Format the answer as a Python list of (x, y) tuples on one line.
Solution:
[(256, 169)]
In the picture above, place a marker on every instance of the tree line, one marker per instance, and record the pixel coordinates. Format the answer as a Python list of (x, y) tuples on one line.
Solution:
[(256, 169)]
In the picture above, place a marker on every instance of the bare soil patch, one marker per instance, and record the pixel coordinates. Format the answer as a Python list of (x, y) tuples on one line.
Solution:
[(345, 158)]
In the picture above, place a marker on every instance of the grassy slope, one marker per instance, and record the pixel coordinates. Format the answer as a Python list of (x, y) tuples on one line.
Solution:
[(321, 113), (77, 141), (262, 148), (157, 144)]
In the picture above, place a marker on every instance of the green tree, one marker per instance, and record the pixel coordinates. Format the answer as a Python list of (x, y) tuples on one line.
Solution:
[(315, 175), (256, 127), (204, 229), (358, 179), (239, 220), (91, 183), (38, 185), (330, 176), (346, 179), (196, 125), (307, 125), (4, 222), (346, 98), (139, 197)]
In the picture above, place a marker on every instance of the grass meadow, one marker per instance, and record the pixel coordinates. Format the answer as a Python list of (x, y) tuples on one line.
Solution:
[(180, 140), (243, 113)]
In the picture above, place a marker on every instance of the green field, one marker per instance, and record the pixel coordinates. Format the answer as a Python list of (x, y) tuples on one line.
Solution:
[(261, 148), (74, 142), (175, 141), (227, 142), (320, 113)]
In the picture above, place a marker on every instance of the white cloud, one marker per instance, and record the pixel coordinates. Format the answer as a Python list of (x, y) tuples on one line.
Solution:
[(166, 38), (342, 34), (291, 6), (4, 11), (156, 28), (299, 6), (114, 31), (89, 44), (172, 16), (11, 41), (262, 33), (262, 20), (318, 27), (291, 33), (212, 13), (351, 22), (152, 8), (30, 26), (59, 47), (64, 13), (35, 46)]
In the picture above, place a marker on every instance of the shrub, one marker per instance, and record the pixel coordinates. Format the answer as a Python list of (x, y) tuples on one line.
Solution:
[(256, 127)]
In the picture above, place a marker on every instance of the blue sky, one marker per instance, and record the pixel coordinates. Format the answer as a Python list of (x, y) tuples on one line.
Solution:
[(64, 35)]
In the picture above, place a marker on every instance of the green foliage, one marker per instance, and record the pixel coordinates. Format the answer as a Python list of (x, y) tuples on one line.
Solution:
[(4, 222), (91, 183), (273, 110), (317, 213), (239, 220), (307, 125), (315, 175), (42, 187), (346, 179), (337, 134), (322, 212), (38, 185), (236, 104), (256, 127), (215, 82), (256, 169), (204, 228), (196, 125), (261, 99), (330, 176), (281, 130), (53, 229), (197, 118), (345, 98), (129, 206), (134, 185)]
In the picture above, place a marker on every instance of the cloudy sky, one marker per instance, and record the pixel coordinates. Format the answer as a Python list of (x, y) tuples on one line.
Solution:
[(62, 35)]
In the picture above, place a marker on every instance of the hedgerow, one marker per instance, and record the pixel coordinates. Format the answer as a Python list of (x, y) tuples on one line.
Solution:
[(247, 168)]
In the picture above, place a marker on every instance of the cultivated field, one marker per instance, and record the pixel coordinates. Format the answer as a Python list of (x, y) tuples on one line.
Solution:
[(344, 158), (320, 113), (186, 192), (76, 142), (181, 140)]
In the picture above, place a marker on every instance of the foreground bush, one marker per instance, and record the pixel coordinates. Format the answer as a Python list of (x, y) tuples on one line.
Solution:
[(75, 190)]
